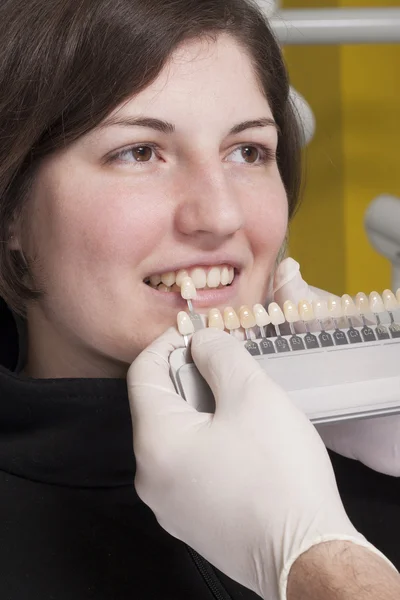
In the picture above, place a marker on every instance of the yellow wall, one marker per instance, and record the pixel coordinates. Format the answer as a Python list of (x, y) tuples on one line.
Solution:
[(354, 92)]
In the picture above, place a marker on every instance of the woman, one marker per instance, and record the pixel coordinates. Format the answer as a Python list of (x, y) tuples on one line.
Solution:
[(139, 137)]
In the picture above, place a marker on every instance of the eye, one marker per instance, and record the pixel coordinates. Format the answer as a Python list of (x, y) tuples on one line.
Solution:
[(144, 153), (249, 154)]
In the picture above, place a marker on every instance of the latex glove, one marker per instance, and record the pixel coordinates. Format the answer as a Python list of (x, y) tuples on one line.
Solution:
[(250, 487), (374, 442)]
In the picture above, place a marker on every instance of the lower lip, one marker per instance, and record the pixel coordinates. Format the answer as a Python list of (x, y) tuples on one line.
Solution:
[(209, 298)]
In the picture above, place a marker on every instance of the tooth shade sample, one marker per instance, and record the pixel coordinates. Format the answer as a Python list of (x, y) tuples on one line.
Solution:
[(320, 308), (188, 289), (163, 288), (362, 303), (185, 325), (225, 276), (376, 303), (215, 319), (261, 315), (180, 276), (275, 313), (214, 277), (247, 319), (349, 309), (398, 295), (168, 279), (306, 311), (199, 278), (389, 301), (155, 280), (231, 319), (335, 307), (290, 311)]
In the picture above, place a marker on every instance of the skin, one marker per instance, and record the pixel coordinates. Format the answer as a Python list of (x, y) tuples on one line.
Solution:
[(97, 229)]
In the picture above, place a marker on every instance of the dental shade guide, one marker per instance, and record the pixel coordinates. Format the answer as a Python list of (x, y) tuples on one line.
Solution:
[(345, 366)]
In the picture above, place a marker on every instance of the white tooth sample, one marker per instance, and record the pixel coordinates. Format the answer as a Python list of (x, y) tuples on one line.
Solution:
[(163, 288), (199, 277), (231, 319), (215, 319), (181, 274), (320, 308), (389, 301), (261, 315), (188, 290), (362, 303), (225, 276), (335, 307), (306, 311), (155, 280), (349, 309), (290, 311), (247, 319), (185, 325), (376, 303), (398, 295), (231, 272), (276, 315), (168, 279), (214, 277)]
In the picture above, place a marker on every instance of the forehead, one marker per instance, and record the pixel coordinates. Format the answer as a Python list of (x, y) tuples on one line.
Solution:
[(203, 76)]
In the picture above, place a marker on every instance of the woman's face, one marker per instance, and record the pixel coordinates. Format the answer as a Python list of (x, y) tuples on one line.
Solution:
[(182, 176)]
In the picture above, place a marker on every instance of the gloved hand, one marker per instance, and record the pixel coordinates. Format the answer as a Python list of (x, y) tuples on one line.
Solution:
[(374, 442), (250, 487)]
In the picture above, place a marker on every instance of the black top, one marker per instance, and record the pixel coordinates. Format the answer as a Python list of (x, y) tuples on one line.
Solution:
[(71, 524)]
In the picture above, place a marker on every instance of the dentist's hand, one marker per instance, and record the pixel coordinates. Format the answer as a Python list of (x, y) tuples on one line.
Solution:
[(251, 487), (374, 442)]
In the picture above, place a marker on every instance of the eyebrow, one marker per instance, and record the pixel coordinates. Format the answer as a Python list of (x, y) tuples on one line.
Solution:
[(165, 127)]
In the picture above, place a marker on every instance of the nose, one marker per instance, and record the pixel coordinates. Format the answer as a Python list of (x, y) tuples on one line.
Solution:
[(209, 207)]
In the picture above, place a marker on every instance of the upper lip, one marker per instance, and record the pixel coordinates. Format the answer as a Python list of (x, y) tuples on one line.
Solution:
[(208, 261)]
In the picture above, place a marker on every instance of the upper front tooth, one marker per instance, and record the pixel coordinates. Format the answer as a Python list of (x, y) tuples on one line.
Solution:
[(214, 277), (199, 278), (231, 271), (225, 276), (180, 276)]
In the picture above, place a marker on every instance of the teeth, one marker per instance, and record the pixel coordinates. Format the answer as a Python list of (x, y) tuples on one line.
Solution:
[(389, 301), (225, 277), (163, 288), (376, 303), (179, 277), (261, 315), (188, 290), (214, 277), (185, 325), (362, 303), (215, 319), (306, 311), (320, 308), (199, 278), (168, 279), (202, 277), (155, 280), (348, 307), (335, 307), (291, 312), (247, 319), (276, 314), (231, 319)]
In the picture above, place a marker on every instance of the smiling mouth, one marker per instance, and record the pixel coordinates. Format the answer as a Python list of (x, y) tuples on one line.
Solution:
[(204, 278)]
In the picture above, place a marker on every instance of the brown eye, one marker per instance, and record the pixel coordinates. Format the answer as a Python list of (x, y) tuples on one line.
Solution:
[(250, 154), (142, 153)]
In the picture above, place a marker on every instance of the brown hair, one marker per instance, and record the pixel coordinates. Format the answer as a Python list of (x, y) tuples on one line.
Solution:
[(66, 64)]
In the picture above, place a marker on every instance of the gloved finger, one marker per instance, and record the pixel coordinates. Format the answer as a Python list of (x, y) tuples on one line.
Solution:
[(225, 364), (150, 388)]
